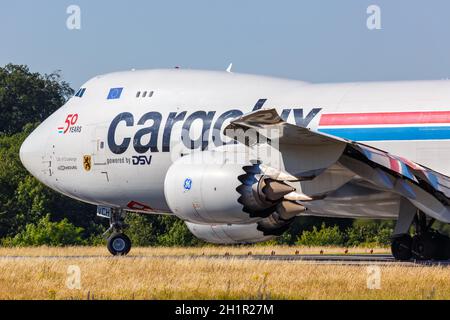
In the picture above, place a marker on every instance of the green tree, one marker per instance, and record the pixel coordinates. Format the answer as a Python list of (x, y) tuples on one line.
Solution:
[(12, 173), (322, 237), (369, 232), (158, 230), (27, 97), (46, 232), (176, 233), (140, 229), (306, 223)]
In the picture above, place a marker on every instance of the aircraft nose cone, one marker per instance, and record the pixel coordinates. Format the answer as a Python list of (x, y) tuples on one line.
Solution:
[(30, 153)]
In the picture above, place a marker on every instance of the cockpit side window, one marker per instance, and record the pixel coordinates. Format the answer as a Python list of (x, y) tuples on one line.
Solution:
[(80, 92)]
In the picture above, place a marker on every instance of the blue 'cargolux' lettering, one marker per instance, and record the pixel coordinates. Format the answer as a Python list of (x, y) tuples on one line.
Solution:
[(148, 127)]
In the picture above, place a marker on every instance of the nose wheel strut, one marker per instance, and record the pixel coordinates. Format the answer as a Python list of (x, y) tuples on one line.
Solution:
[(118, 243)]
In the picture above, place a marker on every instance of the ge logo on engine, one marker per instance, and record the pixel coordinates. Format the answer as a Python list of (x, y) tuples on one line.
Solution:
[(187, 184)]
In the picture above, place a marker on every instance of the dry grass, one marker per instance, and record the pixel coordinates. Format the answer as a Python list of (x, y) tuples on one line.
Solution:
[(202, 278), (164, 251)]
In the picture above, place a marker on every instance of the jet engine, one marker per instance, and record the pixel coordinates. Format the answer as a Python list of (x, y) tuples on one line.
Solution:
[(216, 187)]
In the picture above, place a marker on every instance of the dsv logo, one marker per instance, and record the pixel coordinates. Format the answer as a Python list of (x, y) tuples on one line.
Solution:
[(141, 160)]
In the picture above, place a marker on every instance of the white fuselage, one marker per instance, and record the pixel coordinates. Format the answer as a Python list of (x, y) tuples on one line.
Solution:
[(130, 142)]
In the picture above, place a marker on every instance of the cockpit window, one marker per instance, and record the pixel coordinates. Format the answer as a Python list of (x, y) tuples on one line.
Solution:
[(80, 92), (143, 94)]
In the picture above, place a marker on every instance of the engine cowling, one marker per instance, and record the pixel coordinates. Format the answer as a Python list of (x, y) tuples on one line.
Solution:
[(228, 233), (216, 187), (213, 187)]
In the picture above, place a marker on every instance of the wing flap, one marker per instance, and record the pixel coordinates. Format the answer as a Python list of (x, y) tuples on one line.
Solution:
[(384, 170)]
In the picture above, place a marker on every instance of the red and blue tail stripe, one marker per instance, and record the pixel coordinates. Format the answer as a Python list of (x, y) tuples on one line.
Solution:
[(384, 126)]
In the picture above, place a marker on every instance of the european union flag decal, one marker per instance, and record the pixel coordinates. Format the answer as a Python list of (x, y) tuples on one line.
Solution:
[(114, 93)]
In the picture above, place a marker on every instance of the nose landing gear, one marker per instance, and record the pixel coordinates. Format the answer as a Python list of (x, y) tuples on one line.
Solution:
[(118, 243)]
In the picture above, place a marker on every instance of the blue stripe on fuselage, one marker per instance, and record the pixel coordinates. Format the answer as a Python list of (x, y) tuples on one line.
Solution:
[(389, 133)]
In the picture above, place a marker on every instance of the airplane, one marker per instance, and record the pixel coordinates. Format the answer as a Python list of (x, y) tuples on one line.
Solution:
[(238, 157)]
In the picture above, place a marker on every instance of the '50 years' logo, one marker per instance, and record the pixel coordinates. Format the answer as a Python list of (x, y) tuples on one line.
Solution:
[(70, 124)]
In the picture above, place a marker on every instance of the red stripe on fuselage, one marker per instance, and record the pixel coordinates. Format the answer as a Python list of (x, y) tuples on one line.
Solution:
[(338, 119)]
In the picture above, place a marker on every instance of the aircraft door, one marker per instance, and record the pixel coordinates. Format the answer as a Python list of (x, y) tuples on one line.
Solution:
[(99, 162)]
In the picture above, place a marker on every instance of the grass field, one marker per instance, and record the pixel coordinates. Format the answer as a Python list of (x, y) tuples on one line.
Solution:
[(207, 250), (149, 275)]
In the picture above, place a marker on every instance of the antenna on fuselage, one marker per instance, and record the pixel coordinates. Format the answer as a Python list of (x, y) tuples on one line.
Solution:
[(229, 67)]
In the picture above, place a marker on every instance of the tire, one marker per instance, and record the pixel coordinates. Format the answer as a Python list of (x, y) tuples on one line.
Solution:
[(424, 247), (443, 247), (401, 247), (119, 244)]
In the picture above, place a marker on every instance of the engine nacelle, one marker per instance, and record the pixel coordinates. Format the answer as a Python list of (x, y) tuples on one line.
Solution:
[(228, 233), (215, 187)]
